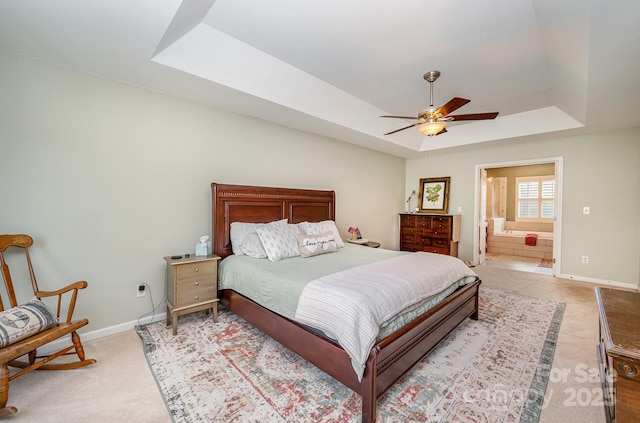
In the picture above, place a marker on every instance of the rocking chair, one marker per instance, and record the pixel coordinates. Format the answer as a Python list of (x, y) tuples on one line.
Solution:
[(24, 340)]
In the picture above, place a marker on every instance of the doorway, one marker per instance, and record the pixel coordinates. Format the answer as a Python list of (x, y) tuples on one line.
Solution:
[(497, 207)]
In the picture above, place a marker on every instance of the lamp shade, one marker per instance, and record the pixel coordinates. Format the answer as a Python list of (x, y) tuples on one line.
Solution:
[(431, 128)]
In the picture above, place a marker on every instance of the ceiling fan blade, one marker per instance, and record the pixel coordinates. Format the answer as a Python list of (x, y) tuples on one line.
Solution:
[(474, 116), (401, 129), (454, 104), (400, 117)]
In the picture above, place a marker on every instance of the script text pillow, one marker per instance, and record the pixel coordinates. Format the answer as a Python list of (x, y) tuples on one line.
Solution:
[(279, 241), (21, 322), (312, 245), (314, 228)]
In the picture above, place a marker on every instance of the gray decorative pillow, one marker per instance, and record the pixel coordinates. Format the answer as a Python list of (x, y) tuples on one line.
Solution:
[(279, 241), (25, 320), (312, 245)]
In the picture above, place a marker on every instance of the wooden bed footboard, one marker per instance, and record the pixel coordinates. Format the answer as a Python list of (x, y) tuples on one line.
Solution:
[(389, 359)]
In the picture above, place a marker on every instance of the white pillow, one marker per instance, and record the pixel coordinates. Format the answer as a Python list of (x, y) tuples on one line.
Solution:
[(238, 234), (279, 241), (315, 228), (312, 245), (252, 246)]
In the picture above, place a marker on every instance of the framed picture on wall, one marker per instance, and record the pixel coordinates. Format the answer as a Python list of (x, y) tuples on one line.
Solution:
[(434, 195)]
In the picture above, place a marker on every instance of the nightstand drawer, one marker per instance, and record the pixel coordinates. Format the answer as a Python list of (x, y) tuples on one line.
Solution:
[(192, 270), (190, 293)]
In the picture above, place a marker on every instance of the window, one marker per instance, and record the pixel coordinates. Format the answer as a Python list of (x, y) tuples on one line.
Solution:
[(536, 198)]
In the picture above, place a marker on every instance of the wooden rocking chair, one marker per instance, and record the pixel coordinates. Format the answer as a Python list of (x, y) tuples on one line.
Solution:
[(28, 346)]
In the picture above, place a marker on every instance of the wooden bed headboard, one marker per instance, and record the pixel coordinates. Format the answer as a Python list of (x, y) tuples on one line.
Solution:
[(244, 203)]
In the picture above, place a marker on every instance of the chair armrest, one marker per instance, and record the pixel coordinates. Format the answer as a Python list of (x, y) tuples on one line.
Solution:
[(75, 285), (73, 288)]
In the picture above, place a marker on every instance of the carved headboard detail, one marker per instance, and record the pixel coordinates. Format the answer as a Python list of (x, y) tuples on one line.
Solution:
[(244, 203)]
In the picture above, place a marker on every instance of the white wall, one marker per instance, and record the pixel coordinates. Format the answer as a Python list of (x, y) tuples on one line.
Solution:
[(110, 178), (600, 170)]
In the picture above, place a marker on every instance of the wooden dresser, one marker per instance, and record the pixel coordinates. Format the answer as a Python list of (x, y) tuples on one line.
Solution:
[(433, 233), (619, 353)]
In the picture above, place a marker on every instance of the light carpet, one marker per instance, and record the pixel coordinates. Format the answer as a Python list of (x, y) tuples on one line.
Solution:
[(491, 370)]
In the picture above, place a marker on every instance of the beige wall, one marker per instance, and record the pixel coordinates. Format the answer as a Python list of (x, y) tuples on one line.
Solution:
[(110, 178), (600, 170)]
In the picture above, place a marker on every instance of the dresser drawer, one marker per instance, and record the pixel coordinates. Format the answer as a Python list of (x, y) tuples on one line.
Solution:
[(440, 242), (438, 233), (441, 224), (435, 249), (423, 222), (192, 270), (408, 236), (408, 221), (409, 246)]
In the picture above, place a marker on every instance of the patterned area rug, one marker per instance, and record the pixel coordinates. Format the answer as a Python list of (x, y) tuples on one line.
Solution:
[(491, 370)]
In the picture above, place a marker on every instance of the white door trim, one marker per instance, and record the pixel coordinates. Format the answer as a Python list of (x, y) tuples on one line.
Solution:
[(557, 232)]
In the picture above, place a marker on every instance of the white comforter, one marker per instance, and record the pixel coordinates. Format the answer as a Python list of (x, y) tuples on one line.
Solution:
[(352, 305)]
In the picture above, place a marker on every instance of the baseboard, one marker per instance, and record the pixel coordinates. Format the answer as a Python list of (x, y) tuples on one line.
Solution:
[(100, 333), (599, 281)]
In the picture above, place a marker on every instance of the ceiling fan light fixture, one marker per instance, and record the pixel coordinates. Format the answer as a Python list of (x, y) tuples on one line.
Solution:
[(431, 128)]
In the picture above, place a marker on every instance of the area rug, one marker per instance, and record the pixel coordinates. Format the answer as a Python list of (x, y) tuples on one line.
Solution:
[(491, 370)]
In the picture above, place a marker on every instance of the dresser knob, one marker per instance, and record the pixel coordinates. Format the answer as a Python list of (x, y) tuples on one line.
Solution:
[(196, 297), (196, 270), (627, 369), (196, 283)]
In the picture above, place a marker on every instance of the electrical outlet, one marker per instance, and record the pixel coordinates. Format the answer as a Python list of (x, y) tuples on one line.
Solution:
[(585, 259), (141, 290)]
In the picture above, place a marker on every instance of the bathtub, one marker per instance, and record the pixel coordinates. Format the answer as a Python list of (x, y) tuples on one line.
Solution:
[(522, 234), (512, 242)]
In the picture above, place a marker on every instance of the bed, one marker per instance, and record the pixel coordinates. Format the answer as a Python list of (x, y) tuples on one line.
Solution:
[(390, 357)]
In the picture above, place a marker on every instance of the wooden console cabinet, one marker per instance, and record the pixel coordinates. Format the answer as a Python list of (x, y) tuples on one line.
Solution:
[(433, 233), (619, 353)]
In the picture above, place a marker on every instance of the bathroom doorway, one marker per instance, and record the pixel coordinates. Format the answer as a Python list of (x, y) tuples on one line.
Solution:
[(510, 226)]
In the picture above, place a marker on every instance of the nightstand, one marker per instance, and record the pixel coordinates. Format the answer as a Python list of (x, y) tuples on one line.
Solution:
[(192, 285), (372, 244)]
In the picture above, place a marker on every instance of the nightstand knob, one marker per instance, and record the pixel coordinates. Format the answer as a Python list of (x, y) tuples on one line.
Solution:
[(196, 298), (196, 270), (196, 283)]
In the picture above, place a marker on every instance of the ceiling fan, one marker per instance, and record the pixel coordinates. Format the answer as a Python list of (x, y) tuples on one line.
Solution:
[(432, 121)]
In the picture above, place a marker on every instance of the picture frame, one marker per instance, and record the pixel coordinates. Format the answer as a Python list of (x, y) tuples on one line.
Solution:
[(434, 195)]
